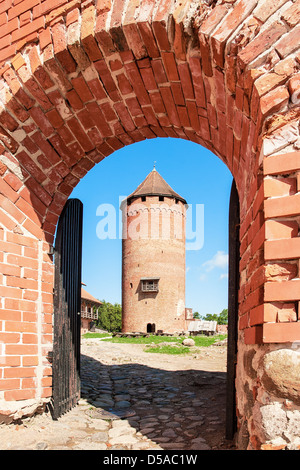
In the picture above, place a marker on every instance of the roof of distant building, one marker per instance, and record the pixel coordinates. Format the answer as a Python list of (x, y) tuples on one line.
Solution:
[(154, 185), (86, 296)]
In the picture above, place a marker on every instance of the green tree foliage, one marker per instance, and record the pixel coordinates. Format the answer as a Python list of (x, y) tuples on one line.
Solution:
[(220, 318), (223, 317), (110, 317)]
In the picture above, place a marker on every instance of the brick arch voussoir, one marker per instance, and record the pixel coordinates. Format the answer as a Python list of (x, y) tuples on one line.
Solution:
[(98, 78)]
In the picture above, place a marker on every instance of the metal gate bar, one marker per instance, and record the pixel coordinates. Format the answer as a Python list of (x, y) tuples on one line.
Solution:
[(67, 306), (233, 291)]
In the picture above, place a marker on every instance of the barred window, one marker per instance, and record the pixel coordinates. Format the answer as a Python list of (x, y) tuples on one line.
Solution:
[(150, 284)]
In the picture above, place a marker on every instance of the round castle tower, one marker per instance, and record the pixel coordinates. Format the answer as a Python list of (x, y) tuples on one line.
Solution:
[(153, 258)]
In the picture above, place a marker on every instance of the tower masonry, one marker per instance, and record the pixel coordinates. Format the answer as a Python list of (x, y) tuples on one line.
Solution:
[(153, 258)]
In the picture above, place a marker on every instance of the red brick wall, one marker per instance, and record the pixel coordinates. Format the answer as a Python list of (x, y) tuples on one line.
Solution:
[(78, 81), (154, 246)]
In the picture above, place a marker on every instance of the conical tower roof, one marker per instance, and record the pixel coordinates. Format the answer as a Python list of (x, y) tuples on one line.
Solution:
[(154, 185)]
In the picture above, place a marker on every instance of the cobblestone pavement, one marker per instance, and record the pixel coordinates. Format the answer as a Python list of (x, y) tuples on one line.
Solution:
[(131, 400)]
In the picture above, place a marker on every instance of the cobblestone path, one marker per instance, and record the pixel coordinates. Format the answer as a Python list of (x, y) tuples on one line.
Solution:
[(133, 401)]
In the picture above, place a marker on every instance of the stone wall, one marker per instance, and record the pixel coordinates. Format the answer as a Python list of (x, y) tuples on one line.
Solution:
[(269, 378)]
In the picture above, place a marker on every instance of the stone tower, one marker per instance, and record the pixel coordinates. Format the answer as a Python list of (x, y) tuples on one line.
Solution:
[(153, 258)]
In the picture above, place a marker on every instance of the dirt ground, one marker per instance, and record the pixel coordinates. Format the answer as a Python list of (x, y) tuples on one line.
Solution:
[(199, 379), (212, 358), (136, 400)]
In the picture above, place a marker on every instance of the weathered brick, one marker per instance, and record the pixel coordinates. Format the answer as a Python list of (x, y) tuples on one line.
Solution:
[(282, 206), (281, 332), (274, 101), (124, 116), (159, 72), (267, 8), (282, 163), (198, 86), (294, 86), (231, 21), (159, 24), (170, 66), (148, 39), (75, 48), (274, 187), (124, 84), (137, 83), (39, 117), (99, 119), (102, 36), (269, 81), (282, 249), (289, 42), (87, 34), (59, 37), (55, 71), (177, 94), (170, 105), (253, 335), (281, 229), (133, 37), (258, 45), (8, 27), (148, 78), (292, 15), (33, 26), (82, 89), (17, 109), (59, 9), (77, 130), (8, 122)]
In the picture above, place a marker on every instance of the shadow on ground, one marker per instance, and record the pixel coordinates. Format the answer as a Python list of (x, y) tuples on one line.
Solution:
[(179, 409)]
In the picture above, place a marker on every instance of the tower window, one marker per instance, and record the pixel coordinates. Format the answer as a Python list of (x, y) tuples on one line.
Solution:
[(149, 284), (161, 198), (143, 198)]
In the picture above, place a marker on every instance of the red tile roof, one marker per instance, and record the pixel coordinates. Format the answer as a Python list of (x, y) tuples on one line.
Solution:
[(86, 296)]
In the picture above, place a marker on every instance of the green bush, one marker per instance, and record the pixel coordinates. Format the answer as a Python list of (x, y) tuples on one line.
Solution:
[(110, 317)]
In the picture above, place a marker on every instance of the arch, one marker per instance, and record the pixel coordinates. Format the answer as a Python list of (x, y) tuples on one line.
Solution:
[(150, 328), (82, 79)]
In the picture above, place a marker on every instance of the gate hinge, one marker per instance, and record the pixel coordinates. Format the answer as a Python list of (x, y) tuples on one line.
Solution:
[(51, 250)]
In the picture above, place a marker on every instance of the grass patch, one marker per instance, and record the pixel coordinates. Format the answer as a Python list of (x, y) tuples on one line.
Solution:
[(151, 339), (178, 348), (168, 349), (205, 341), (96, 335)]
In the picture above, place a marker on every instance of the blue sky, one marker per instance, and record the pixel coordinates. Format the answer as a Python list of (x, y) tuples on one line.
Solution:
[(193, 172)]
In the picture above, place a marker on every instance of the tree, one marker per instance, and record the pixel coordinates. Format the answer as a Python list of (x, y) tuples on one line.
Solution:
[(221, 318), (210, 317), (110, 316), (196, 315)]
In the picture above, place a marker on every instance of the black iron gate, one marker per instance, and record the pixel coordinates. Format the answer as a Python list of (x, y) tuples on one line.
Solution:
[(67, 308), (233, 291)]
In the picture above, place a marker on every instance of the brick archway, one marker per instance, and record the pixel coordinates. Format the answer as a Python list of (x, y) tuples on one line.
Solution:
[(80, 80)]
